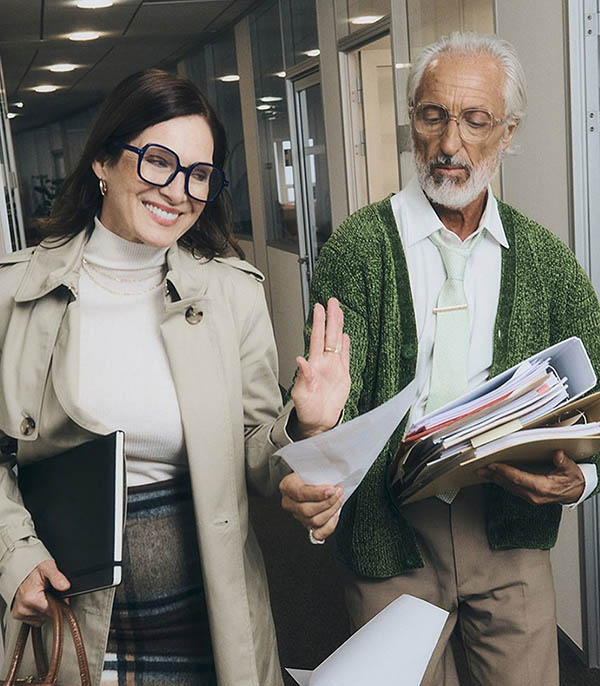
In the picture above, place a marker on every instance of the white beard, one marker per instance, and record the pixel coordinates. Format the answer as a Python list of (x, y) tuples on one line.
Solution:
[(451, 192)]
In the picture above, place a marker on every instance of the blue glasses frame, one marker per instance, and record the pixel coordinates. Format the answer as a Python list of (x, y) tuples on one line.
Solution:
[(187, 171)]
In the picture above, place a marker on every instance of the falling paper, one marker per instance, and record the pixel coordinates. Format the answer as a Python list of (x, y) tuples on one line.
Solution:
[(393, 648), (344, 454)]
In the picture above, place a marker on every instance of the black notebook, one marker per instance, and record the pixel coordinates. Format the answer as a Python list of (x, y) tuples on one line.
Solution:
[(77, 501)]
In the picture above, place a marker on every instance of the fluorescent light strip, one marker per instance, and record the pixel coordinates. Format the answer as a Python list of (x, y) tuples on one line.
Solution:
[(94, 4), (369, 19), (62, 67), (84, 35)]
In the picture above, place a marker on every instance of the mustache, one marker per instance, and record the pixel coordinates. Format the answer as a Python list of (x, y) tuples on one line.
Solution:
[(443, 160)]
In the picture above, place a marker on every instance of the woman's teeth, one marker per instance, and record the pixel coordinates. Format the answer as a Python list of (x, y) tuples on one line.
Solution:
[(163, 214)]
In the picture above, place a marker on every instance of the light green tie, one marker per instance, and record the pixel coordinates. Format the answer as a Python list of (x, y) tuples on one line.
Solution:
[(449, 371)]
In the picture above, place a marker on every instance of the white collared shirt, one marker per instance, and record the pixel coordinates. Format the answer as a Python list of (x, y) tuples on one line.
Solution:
[(416, 221)]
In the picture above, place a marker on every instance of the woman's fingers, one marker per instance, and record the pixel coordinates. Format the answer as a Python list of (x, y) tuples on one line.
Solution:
[(327, 529), (30, 604), (317, 335), (312, 506), (334, 326)]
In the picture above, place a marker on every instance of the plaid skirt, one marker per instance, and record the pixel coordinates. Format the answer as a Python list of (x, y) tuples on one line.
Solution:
[(159, 633)]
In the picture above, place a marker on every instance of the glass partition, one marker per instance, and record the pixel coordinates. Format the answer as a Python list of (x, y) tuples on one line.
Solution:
[(299, 26), (313, 163), (214, 71), (374, 168), (273, 127)]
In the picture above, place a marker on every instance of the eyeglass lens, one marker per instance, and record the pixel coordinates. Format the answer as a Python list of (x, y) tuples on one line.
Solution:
[(158, 166), (473, 124)]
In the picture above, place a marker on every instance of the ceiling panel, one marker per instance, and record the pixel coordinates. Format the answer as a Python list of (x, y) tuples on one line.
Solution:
[(232, 12), (180, 18), (20, 20), (15, 62), (137, 34), (82, 54), (61, 18), (61, 106)]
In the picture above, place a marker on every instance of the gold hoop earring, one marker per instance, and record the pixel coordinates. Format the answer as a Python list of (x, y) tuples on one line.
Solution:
[(103, 187)]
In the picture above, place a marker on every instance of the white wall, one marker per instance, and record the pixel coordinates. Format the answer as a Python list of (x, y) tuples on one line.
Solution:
[(537, 179), (537, 182)]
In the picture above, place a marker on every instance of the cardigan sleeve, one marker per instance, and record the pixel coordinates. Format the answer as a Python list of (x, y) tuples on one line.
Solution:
[(578, 313), (333, 279)]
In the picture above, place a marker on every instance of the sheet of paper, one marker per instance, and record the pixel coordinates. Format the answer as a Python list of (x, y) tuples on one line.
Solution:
[(394, 647), (344, 454)]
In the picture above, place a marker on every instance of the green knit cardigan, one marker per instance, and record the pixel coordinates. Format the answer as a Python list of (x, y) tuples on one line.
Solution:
[(545, 297)]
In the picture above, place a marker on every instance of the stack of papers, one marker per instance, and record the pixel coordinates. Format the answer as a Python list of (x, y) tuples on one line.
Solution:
[(521, 417), (393, 648)]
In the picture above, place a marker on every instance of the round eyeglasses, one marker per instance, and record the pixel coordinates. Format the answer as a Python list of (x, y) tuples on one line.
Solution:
[(159, 165), (474, 125)]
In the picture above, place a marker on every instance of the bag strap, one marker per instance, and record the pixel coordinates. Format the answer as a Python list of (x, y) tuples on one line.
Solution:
[(84, 669), (40, 660), (58, 609)]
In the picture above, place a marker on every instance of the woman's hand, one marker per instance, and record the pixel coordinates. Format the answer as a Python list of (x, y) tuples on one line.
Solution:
[(30, 604), (315, 507), (323, 380)]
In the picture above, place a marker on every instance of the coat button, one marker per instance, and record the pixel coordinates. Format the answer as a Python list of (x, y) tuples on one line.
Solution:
[(193, 316), (27, 426), (409, 352)]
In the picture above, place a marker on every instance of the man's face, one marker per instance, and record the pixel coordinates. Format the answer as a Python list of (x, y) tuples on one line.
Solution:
[(451, 172)]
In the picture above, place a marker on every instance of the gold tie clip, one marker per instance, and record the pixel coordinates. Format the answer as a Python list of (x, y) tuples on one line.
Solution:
[(450, 308)]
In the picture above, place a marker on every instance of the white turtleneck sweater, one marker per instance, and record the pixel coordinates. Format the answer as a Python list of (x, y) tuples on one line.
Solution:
[(124, 377)]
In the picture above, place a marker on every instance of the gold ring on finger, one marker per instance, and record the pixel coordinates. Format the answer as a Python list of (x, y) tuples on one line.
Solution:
[(329, 349)]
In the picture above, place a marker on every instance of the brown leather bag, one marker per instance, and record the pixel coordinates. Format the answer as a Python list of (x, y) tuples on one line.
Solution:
[(47, 675)]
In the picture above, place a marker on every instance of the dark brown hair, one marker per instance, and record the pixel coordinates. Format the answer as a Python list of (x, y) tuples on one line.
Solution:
[(139, 101)]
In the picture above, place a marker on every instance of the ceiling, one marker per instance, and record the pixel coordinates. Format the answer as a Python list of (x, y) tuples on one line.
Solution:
[(134, 34)]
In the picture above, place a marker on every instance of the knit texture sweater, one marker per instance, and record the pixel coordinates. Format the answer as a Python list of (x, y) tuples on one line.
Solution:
[(125, 380), (545, 297)]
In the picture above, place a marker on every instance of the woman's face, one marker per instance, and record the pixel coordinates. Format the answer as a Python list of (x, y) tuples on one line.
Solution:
[(140, 212)]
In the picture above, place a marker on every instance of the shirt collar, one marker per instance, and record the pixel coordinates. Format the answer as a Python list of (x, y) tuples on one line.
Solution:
[(419, 220)]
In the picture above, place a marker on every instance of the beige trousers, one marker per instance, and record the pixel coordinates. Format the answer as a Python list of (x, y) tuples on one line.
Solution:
[(503, 600)]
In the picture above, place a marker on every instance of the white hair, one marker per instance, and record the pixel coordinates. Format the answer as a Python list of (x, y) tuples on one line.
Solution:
[(469, 43)]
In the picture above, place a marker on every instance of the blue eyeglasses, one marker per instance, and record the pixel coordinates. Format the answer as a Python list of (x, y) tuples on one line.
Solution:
[(159, 165)]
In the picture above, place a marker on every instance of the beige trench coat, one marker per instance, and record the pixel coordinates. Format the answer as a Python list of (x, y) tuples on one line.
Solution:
[(222, 355)]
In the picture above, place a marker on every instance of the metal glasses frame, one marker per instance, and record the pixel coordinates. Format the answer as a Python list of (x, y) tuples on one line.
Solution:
[(450, 117), (187, 171)]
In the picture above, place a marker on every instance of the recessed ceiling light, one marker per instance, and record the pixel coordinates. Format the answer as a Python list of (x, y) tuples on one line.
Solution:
[(94, 4), (45, 89), (17, 104), (368, 19), (62, 67), (271, 98), (312, 53), (263, 107), (11, 115), (281, 74), (84, 35), (229, 78)]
